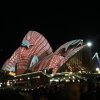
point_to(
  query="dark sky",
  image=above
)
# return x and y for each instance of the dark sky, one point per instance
(57, 25)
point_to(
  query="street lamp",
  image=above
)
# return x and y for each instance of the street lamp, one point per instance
(97, 69)
(89, 44)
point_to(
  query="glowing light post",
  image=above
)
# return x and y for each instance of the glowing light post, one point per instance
(97, 69)
(89, 44)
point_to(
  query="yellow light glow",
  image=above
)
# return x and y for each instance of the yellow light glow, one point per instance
(12, 73)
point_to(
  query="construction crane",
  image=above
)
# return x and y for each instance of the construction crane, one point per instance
(98, 61)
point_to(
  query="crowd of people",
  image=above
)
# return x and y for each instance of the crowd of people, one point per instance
(55, 91)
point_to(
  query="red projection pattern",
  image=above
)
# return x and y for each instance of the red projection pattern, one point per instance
(55, 61)
(39, 46)
(51, 62)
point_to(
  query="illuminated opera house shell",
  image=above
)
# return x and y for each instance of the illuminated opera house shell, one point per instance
(35, 54)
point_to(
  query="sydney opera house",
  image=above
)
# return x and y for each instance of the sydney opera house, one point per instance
(35, 55)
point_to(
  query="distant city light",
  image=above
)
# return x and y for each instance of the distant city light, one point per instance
(52, 74)
(78, 80)
(20, 79)
(56, 80)
(8, 83)
(73, 77)
(28, 78)
(89, 44)
(73, 80)
(67, 80)
(98, 72)
(0, 84)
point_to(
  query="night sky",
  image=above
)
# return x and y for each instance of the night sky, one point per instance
(57, 25)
